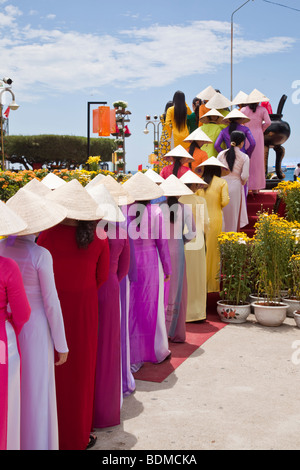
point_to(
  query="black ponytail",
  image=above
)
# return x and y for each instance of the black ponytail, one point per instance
(236, 138)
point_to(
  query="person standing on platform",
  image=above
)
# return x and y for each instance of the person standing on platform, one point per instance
(235, 213)
(212, 126)
(14, 314)
(108, 383)
(235, 121)
(193, 118)
(217, 197)
(176, 120)
(195, 251)
(197, 139)
(178, 157)
(259, 122)
(81, 266)
(43, 336)
(205, 95)
(122, 199)
(179, 221)
(297, 172)
(146, 228)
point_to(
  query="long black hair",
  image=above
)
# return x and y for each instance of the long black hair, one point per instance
(180, 111)
(197, 102)
(168, 105)
(209, 172)
(253, 106)
(172, 201)
(140, 211)
(85, 233)
(232, 126)
(236, 138)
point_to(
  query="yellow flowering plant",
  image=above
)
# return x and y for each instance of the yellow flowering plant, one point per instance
(274, 244)
(235, 253)
(93, 162)
(289, 193)
(294, 284)
(11, 182)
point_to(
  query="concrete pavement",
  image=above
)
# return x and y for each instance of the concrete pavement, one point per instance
(238, 391)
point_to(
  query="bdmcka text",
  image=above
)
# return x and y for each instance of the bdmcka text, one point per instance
(151, 459)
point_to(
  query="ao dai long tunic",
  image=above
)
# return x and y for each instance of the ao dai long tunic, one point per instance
(235, 213)
(217, 197)
(12, 292)
(40, 335)
(147, 329)
(182, 231)
(108, 387)
(224, 137)
(168, 170)
(195, 258)
(259, 122)
(79, 273)
(176, 135)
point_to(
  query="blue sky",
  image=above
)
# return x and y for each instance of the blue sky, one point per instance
(62, 54)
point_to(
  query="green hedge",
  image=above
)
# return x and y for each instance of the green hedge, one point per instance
(64, 151)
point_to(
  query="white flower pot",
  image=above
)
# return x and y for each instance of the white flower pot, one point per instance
(254, 298)
(270, 315)
(296, 315)
(292, 306)
(233, 313)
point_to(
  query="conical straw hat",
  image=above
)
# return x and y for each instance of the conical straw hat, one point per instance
(52, 181)
(141, 188)
(213, 161)
(77, 201)
(207, 93)
(107, 203)
(172, 186)
(240, 117)
(10, 222)
(39, 213)
(178, 152)
(240, 98)
(117, 190)
(154, 176)
(37, 187)
(189, 177)
(256, 97)
(218, 101)
(199, 136)
(95, 180)
(212, 112)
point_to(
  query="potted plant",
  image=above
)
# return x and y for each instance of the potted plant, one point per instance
(235, 252)
(120, 105)
(93, 162)
(293, 297)
(120, 142)
(289, 193)
(274, 243)
(120, 164)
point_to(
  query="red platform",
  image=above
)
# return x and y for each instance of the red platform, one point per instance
(263, 201)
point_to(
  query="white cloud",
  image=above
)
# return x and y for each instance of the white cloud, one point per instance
(50, 60)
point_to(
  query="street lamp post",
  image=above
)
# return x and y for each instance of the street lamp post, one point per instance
(231, 58)
(13, 106)
(156, 122)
